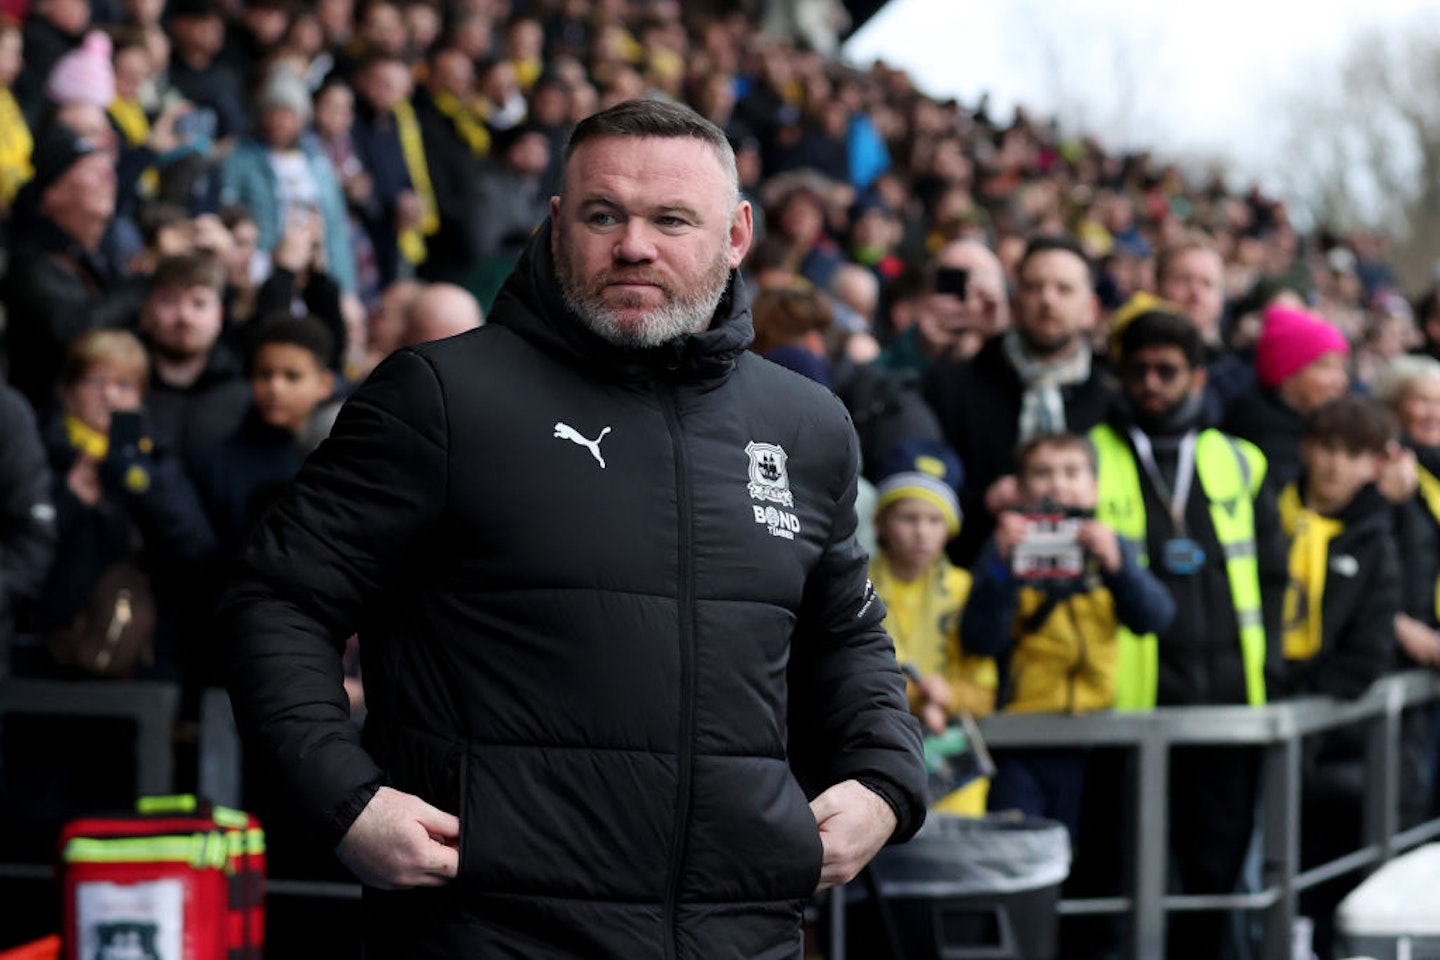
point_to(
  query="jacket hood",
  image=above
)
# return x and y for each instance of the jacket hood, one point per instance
(531, 305)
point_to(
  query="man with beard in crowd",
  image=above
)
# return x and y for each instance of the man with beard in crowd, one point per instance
(628, 689)
(1038, 377)
(1196, 505)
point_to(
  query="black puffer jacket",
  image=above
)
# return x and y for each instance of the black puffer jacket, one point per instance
(582, 648)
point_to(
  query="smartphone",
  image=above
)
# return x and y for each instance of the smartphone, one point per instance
(126, 431)
(952, 280)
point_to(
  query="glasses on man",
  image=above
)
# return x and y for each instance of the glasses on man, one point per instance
(1138, 371)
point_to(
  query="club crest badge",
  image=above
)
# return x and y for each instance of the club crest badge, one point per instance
(769, 480)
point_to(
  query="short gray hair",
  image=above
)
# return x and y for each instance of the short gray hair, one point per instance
(659, 119)
(1403, 372)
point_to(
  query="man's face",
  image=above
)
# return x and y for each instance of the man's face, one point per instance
(281, 127)
(645, 235)
(1158, 379)
(182, 322)
(106, 387)
(1061, 475)
(1054, 304)
(70, 16)
(1195, 281)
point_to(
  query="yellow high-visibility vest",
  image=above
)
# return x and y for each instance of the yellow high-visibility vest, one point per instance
(1230, 472)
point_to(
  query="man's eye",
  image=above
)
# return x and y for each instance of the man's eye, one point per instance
(670, 221)
(602, 219)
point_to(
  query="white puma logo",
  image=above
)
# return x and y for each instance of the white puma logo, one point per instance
(564, 431)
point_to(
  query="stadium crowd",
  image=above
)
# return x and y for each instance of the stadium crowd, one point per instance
(218, 217)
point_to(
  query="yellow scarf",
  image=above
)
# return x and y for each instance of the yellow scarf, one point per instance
(412, 241)
(16, 145)
(465, 120)
(1310, 534)
(86, 439)
(130, 117)
(1430, 496)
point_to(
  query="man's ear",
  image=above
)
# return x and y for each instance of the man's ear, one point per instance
(1198, 379)
(742, 232)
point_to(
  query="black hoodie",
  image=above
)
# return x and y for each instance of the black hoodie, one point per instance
(612, 613)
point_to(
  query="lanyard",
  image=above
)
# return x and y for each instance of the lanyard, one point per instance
(1184, 475)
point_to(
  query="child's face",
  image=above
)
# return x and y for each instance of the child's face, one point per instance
(913, 531)
(1060, 474)
(288, 383)
(1334, 475)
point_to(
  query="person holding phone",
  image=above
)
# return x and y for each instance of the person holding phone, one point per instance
(120, 498)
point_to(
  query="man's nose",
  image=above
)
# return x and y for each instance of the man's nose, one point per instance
(633, 244)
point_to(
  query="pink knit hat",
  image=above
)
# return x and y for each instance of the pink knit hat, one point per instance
(84, 75)
(1291, 340)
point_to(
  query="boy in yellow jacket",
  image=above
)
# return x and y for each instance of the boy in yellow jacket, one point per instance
(1056, 622)
(916, 513)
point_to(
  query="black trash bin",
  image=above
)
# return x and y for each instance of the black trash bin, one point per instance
(964, 888)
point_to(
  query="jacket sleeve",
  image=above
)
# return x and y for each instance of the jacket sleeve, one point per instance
(349, 521)
(165, 505)
(848, 715)
(989, 620)
(1419, 560)
(1142, 603)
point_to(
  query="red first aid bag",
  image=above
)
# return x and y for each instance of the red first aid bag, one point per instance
(179, 879)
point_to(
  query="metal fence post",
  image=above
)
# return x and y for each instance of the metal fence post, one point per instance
(1152, 840)
(1381, 817)
(1280, 790)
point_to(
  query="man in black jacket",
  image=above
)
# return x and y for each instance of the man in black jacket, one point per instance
(612, 611)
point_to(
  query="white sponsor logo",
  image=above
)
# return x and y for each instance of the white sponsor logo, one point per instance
(563, 431)
(1345, 565)
(779, 523)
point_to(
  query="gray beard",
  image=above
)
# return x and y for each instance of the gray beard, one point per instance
(677, 316)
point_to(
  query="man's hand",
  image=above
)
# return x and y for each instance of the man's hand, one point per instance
(854, 824)
(1397, 480)
(400, 841)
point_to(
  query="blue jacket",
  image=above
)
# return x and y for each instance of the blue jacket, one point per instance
(247, 178)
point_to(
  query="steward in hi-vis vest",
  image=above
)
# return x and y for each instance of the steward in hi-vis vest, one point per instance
(1196, 507)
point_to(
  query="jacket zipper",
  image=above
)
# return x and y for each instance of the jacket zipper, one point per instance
(685, 602)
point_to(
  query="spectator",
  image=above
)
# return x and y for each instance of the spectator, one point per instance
(241, 474)
(279, 176)
(509, 204)
(1199, 504)
(791, 324)
(916, 511)
(1344, 591)
(16, 141)
(198, 71)
(383, 128)
(300, 282)
(1299, 365)
(1037, 378)
(127, 514)
(1340, 613)
(943, 317)
(196, 395)
(455, 140)
(1057, 635)
(27, 517)
(53, 28)
(440, 310)
(1191, 275)
(334, 120)
(65, 276)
